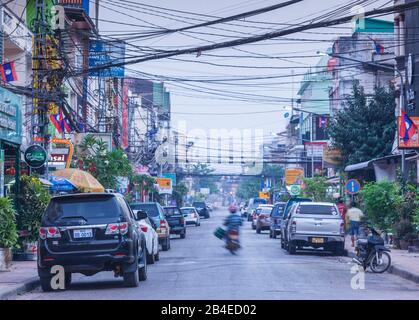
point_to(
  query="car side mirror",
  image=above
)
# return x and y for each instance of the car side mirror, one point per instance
(141, 215)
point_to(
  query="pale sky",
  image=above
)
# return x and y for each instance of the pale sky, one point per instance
(295, 54)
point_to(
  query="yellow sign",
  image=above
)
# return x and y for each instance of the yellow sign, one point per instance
(294, 176)
(164, 183)
(264, 195)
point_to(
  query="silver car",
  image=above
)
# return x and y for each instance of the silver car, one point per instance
(316, 225)
(191, 215)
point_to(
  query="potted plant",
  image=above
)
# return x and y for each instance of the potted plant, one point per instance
(8, 232)
(33, 200)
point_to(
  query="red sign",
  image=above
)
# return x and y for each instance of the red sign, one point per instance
(58, 158)
(413, 142)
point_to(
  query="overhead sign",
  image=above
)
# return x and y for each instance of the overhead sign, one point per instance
(164, 185)
(295, 190)
(352, 186)
(264, 195)
(332, 157)
(204, 191)
(294, 176)
(106, 53)
(35, 156)
(315, 149)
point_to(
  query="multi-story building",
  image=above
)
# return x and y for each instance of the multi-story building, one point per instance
(372, 40)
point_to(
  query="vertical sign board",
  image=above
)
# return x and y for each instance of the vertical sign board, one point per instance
(1, 173)
(294, 176)
(171, 176)
(10, 117)
(413, 142)
(164, 185)
(106, 53)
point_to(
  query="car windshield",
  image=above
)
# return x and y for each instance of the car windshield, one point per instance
(317, 209)
(171, 211)
(86, 208)
(150, 208)
(199, 204)
(187, 210)
(278, 210)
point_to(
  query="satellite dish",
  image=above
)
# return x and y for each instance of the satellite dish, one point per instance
(286, 115)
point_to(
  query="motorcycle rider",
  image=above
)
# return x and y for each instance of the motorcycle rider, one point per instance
(233, 221)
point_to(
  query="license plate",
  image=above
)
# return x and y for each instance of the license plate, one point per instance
(83, 233)
(317, 240)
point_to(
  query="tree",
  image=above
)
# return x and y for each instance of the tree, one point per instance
(179, 191)
(273, 171)
(105, 166)
(365, 128)
(316, 189)
(202, 178)
(248, 188)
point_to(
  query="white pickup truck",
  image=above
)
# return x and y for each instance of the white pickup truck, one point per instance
(317, 225)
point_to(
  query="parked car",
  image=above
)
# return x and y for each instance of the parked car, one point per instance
(263, 220)
(276, 218)
(201, 208)
(151, 237)
(88, 233)
(287, 209)
(191, 215)
(176, 221)
(263, 207)
(253, 205)
(317, 225)
(156, 213)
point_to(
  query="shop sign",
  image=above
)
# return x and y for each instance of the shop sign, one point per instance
(35, 156)
(10, 117)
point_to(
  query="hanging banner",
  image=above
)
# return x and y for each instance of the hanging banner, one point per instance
(413, 142)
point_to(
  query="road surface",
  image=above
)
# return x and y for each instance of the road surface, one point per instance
(198, 267)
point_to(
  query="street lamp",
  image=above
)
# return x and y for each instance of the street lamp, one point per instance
(383, 67)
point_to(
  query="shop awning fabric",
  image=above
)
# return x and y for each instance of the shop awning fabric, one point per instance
(81, 179)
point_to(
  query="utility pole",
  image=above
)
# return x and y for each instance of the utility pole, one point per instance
(97, 15)
(1, 32)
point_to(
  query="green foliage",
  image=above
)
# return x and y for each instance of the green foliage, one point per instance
(32, 200)
(381, 201)
(179, 191)
(8, 231)
(105, 166)
(248, 188)
(316, 189)
(143, 182)
(365, 129)
(202, 178)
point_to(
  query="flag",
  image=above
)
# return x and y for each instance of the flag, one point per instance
(56, 121)
(8, 71)
(379, 48)
(322, 122)
(407, 128)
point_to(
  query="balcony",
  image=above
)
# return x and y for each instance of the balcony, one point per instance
(18, 38)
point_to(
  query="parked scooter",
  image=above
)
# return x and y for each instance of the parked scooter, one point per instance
(371, 252)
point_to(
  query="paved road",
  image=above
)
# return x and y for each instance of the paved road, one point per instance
(199, 268)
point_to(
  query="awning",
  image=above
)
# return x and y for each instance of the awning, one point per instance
(359, 166)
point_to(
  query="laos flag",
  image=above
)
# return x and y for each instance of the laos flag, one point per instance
(407, 128)
(8, 71)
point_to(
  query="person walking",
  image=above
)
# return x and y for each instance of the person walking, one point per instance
(342, 209)
(354, 215)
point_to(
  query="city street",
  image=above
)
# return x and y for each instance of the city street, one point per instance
(198, 267)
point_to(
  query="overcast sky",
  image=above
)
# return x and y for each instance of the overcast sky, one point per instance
(191, 97)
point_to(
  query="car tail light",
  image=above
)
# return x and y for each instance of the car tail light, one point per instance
(162, 224)
(123, 228)
(143, 228)
(342, 228)
(49, 232)
(117, 228)
(43, 233)
(294, 226)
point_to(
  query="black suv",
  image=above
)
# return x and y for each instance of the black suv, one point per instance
(202, 209)
(88, 233)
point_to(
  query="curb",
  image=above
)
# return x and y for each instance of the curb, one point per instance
(394, 269)
(20, 289)
(404, 273)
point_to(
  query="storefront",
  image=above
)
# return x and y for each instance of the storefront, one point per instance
(10, 138)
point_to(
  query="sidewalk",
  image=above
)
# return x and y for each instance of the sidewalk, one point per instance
(403, 264)
(21, 278)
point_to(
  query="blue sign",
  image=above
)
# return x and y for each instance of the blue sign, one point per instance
(352, 186)
(106, 53)
(170, 176)
(10, 116)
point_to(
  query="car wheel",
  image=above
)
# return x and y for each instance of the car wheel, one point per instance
(150, 258)
(67, 279)
(142, 272)
(339, 249)
(46, 284)
(270, 234)
(165, 246)
(253, 227)
(292, 248)
(131, 278)
(274, 235)
(157, 256)
(282, 244)
(258, 230)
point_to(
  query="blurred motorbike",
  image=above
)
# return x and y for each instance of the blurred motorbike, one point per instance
(232, 241)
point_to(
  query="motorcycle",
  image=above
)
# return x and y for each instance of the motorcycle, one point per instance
(371, 252)
(232, 241)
